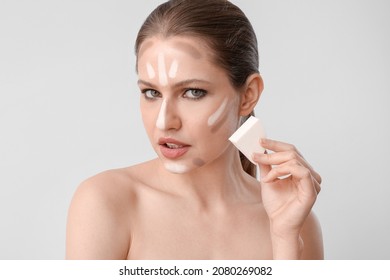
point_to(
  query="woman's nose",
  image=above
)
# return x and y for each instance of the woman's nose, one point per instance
(168, 117)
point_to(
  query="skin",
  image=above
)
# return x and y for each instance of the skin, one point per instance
(201, 205)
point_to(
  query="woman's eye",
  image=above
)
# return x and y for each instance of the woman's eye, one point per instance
(195, 93)
(151, 93)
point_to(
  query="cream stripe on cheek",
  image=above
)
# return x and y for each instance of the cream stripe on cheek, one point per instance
(162, 72)
(160, 123)
(173, 69)
(214, 117)
(150, 69)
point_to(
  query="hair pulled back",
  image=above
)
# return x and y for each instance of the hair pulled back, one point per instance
(222, 26)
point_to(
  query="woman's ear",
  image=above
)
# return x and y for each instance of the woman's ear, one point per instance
(251, 93)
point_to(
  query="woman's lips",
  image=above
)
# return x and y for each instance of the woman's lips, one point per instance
(171, 148)
(173, 153)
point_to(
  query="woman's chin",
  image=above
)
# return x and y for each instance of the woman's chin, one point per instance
(176, 168)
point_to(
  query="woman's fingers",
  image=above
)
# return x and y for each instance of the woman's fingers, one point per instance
(277, 146)
(284, 157)
(283, 153)
(317, 186)
(286, 169)
(279, 158)
(264, 168)
(309, 185)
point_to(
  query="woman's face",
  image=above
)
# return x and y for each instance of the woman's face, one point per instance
(189, 108)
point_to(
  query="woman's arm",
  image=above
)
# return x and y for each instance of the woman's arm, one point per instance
(308, 245)
(96, 228)
(289, 187)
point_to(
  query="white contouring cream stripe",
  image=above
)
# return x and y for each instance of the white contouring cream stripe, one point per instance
(150, 70)
(173, 69)
(176, 167)
(214, 117)
(160, 123)
(162, 72)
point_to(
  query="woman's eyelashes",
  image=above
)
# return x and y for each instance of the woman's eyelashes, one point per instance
(194, 93)
(151, 94)
(191, 93)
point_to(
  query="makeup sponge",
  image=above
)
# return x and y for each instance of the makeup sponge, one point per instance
(247, 136)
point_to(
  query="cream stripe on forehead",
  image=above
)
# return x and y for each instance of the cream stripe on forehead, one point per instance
(173, 69)
(163, 75)
(150, 69)
(162, 72)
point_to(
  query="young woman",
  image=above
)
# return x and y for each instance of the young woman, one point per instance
(197, 63)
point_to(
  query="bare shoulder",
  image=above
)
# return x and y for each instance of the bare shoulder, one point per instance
(99, 217)
(312, 239)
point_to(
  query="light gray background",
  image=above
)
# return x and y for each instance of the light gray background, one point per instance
(69, 109)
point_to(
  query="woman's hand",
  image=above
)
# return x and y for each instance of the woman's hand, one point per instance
(288, 200)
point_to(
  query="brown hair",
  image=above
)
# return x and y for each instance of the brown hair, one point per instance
(222, 25)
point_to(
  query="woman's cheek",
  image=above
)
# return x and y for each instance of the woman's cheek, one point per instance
(216, 116)
(223, 119)
(148, 119)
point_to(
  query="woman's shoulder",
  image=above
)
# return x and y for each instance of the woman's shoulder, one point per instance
(116, 183)
(101, 211)
(311, 234)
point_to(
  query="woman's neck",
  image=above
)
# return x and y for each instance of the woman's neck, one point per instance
(215, 184)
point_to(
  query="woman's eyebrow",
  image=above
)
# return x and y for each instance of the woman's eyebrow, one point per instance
(145, 83)
(178, 84)
(191, 81)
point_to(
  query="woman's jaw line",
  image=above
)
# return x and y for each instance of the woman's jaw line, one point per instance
(210, 182)
(176, 168)
(187, 163)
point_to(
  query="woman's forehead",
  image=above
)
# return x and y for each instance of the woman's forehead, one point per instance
(193, 47)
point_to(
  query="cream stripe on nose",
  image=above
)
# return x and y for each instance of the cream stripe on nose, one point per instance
(160, 123)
